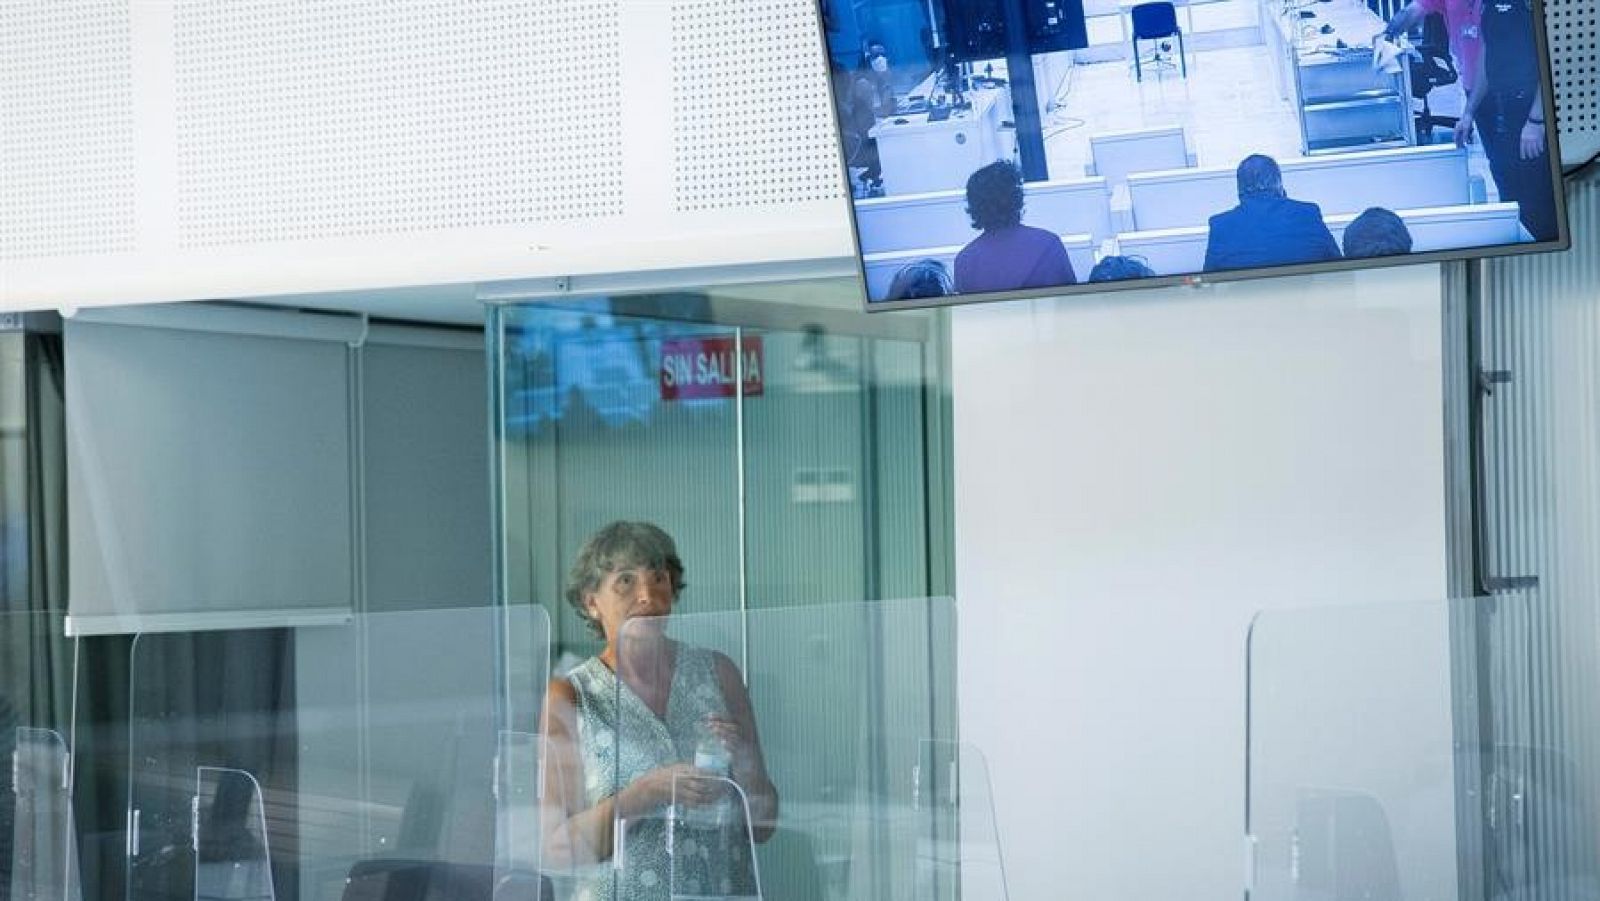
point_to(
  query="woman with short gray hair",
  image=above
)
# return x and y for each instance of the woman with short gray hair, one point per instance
(633, 731)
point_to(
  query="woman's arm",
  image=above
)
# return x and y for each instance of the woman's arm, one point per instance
(743, 739)
(573, 835)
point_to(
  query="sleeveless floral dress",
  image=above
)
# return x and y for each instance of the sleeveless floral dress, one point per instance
(700, 862)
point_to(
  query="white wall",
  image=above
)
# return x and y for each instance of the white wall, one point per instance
(214, 150)
(1135, 476)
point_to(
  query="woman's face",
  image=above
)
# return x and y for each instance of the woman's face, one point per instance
(629, 593)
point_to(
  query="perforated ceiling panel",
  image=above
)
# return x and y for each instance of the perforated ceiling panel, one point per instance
(66, 128)
(350, 117)
(1573, 28)
(751, 124)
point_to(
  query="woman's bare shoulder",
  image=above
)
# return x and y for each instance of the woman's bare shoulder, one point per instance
(561, 690)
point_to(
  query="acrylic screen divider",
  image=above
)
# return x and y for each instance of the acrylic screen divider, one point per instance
(38, 836)
(381, 755)
(1351, 759)
(836, 722)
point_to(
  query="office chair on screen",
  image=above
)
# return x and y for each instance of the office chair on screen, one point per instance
(1157, 21)
(1432, 67)
(1386, 9)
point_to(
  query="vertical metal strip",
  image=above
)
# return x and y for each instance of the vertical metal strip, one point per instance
(359, 600)
(742, 499)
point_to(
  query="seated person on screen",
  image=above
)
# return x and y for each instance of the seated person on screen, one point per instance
(1377, 232)
(924, 278)
(1116, 269)
(626, 731)
(1267, 228)
(1008, 256)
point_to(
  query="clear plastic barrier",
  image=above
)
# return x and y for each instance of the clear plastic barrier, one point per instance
(520, 812)
(386, 755)
(38, 838)
(44, 859)
(1377, 770)
(1351, 767)
(709, 820)
(231, 858)
(829, 719)
(958, 850)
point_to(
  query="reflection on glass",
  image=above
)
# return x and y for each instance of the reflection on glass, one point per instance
(231, 862)
(13, 470)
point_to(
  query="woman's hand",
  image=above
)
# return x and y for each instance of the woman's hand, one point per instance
(1532, 143)
(654, 790)
(739, 746)
(1463, 130)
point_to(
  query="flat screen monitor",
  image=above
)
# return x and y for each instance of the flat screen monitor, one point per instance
(1185, 142)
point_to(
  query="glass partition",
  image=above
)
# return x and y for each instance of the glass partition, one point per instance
(708, 822)
(44, 858)
(765, 427)
(392, 753)
(38, 836)
(517, 763)
(1372, 775)
(1351, 790)
(231, 858)
(824, 736)
(958, 848)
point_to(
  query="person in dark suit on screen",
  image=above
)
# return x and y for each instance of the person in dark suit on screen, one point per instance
(1267, 228)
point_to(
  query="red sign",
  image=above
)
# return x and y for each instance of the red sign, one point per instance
(695, 368)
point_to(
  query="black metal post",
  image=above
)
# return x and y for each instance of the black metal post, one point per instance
(1024, 94)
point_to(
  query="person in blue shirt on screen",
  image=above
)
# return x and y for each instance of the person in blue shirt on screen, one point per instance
(1008, 256)
(1267, 228)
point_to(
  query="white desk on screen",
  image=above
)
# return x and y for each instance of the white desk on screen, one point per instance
(1452, 227)
(920, 156)
(1182, 251)
(939, 218)
(1401, 178)
(1117, 154)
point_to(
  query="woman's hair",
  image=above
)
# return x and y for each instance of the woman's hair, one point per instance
(1115, 269)
(924, 278)
(994, 196)
(1377, 232)
(1259, 176)
(617, 546)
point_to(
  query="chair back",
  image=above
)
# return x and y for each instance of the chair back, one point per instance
(1158, 19)
(1433, 67)
(1435, 33)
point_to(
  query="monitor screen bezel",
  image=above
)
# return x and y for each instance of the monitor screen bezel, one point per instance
(1562, 241)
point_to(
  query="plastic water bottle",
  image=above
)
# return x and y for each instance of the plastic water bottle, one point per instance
(712, 758)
